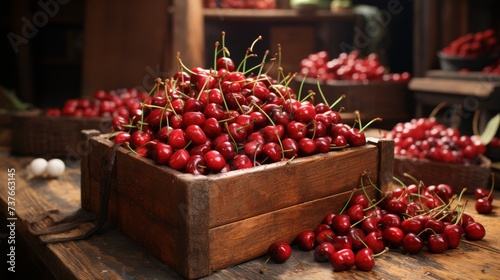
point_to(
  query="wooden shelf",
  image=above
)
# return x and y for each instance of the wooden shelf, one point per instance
(276, 15)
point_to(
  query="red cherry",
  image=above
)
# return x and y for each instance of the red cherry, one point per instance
(437, 243)
(296, 130)
(177, 139)
(272, 133)
(162, 153)
(342, 260)
(484, 206)
(306, 240)
(290, 147)
(370, 224)
(375, 241)
(454, 233)
(393, 235)
(341, 224)
(122, 137)
(273, 151)
(412, 226)
(475, 231)
(211, 127)
(342, 242)
(325, 235)
(482, 193)
(225, 63)
(323, 251)
(364, 260)
(412, 243)
(179, 159)
(279, 251)
(214, 160)
(196, 165)
(119, 123)
(355, 213)
(139, 139)
(357, 237)
(195, 134)
(190, 118)
(391, 220)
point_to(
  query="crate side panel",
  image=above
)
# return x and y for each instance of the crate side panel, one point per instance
(159, 190)
(269, 188)
(260, 231)
(161, 240)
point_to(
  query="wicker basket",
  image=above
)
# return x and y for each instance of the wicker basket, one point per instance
(459, 176)
(50, 136)
(456, 63)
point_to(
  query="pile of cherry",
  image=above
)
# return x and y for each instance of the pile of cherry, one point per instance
(348, 67)
(409, 219)
(474, 45)
(205, 121)
(426, 138)
(120, 102)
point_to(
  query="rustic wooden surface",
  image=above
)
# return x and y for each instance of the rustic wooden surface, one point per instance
(111, 255)
(193, 223)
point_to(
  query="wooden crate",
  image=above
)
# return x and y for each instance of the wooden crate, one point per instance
(50, 136)
(390, 101)
(199, 224)
(458, 176)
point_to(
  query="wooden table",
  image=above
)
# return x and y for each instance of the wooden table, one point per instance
(111, 255)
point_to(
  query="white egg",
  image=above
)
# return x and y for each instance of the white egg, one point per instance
(55, 167)
(37, 167)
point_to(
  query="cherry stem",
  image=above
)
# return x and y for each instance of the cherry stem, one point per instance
(310, 94)
(266, 53)
(492, 185)
(223, 36)
(261, 271)
(299, 94)
(337, 101)
(381, 253)
(215, 54)
(321, 92)
(349, 200)
(279, 62)
(374, 204)
(427, 229)
(184, 66)
(412, 178)
(281, 145)
(369, 123)
(360, 221)
(232, 138)
(461, 193)
(436, 109)
(365, 174)
(460, 211)
(264, 112)
(475, 121)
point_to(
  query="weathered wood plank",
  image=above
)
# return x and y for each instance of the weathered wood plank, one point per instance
(111, 255)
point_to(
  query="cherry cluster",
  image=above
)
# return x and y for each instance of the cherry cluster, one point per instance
(426, 138)
(474, 45)
(494, 68)
(204, 121)
(484, 202)
(409, 219)
(348, 67)
(113, 103)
